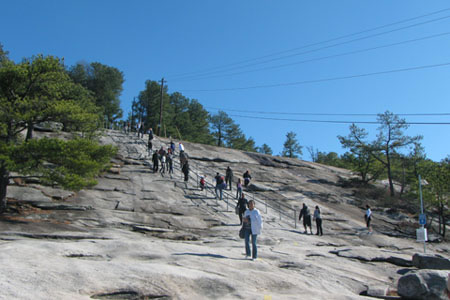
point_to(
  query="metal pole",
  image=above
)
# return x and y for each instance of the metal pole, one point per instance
(421, 212)
(265, 201)
(279, 209)
(227, 201)
(295, 218)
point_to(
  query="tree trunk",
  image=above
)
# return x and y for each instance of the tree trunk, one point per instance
(30, 128)
(391, 183)
(441, 220)
(4, 180)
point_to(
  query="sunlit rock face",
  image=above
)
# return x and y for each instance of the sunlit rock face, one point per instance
(141, 235)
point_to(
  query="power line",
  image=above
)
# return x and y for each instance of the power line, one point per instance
(173, 77)
(324, 114)
(319, 58)
(322, 80)
(337, 122)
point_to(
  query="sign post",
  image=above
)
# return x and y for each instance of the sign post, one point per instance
(421, 233)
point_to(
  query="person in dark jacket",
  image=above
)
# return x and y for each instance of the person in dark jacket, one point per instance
(242, 206)
(229, 177)
(155, 160)
(318, 219)
(219, 186)
(185, 170)
(306, 214)
(247, 178)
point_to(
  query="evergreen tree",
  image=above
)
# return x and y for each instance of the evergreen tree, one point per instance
(291, 146)
(105, 83)
(220, 123)
(390, 139)
(36, 90)
(264, 149)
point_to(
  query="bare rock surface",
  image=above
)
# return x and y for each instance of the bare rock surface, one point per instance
(141, 235)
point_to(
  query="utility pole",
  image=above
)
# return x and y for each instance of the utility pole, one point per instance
(161, 108)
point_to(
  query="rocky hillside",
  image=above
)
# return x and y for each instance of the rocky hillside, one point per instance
(141, 235)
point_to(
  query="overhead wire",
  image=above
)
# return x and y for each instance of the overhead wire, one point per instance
(336, 122)
(321, 80)
(324, 114)
(322, 58)
(202, 73)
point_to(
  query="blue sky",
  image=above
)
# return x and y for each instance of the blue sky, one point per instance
(199, 47)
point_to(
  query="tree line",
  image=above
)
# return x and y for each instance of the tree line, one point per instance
(397, 157)
(187, 119)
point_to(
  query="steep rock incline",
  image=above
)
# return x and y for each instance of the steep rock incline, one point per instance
(140, 235)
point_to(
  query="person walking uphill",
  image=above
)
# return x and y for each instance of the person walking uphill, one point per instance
(318, 219)
(242, 206)
(229, 177)
(306, 214)
(155, 160)
(253, 217)
(368, 218)
(185, 170)
(220, 181)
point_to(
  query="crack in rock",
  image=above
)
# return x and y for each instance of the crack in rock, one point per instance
(129, 295)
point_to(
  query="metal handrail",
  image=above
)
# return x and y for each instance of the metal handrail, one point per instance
(292, 214)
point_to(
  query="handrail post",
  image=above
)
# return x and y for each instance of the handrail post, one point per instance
(227, 202)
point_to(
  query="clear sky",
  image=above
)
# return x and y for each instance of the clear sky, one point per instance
(290, 56)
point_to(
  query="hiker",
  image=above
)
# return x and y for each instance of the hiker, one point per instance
(183, 158)
(155, 160)
(202, 182)
(318, 219)
(306, 214)
(163, 164)
(242, 207)
(181, 147)
(253, 217)
(161, 152)
(219, 185)
(247, 178)
(368, 218)
(150, 141)
(172, 147)
(185, 170)
(141, 129)
(229, 177)
(238, 189)
(169, 163)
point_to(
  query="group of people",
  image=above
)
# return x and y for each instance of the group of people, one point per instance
(249, 217)
(305, 213)
(222, 182)
(163, 158)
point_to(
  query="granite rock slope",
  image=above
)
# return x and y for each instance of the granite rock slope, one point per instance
(141, 235)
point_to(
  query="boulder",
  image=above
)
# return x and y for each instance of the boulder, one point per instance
(424, 284)
(428, 261)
